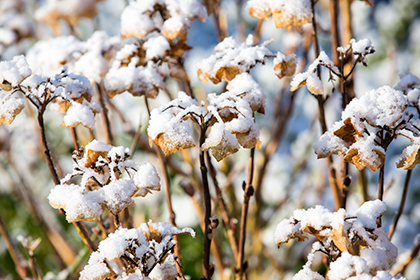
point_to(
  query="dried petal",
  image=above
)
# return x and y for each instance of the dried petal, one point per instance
(410, 157)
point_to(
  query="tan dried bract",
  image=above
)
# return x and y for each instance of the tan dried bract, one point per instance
(170, 147)
(360, 162)
(285, 68)
(348, 132)
(409, 160)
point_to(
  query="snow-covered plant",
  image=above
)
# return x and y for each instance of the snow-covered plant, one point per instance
(161, 29)
(70, 11)
(71, 91)
(355, 245)
(359, 49)
(101, 186)
(146, 251)
(14, 24)
(370, 123)
(228, 115)
(286, 14)
(232, 58)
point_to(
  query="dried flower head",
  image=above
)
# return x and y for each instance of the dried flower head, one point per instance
(101, 186)
(286, 14)
(147, 250)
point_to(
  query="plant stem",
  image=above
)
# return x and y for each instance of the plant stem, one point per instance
(335, 37)
(399, 267)
(248, 192)
(21, 269)
(107, 123)
(74, 138)
(47, 152)
(331, 170)
(223, 208)
(207, 210)
(402, 203)
(381, 182)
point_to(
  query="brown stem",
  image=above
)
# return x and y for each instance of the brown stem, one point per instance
(248, 192)
(402, 203)
(172, 215)
(47, 152)
(331, 171)
(223, 208)
(81, 229)
(63, 253)
(21, 269)
(335, 37)
(381, 182)
(207, 210)
(74, 138)
(399, 267)
(107, 123)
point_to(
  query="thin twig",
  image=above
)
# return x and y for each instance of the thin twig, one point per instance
(399, 267)
(321, 101)
(21, 269)
(207, 210)
(248, 193)
(107, 123)
(402, 203)
(223, 208)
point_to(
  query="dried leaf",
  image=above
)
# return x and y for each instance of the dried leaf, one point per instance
(360, 161)
(340, 239)
(169, 147)
(9, 109)
(286, 20)
(92, 157)
(259, 13)
(177, 71)
(285, 67)
(221, 142)
(348, 132)
(410, 157)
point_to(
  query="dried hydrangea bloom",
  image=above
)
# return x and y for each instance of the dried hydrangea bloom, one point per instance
(286, 14)
(383, 108)
(229, 117)
(70, 11)
(340, 230)
(72, 92)
(138, 18)
(9, 109)
(149, 248)
(132, 72)
(14, 25)
(310, 78)
(230, 59)
(101, 186)
(284, 65)
(13, 72)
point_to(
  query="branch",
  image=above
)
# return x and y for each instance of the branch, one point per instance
(248, 192)
(402, 203)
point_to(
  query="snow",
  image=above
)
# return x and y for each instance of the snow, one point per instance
(156, 47)
(286, 14)
(244, 85)
(145, 245)
(14, 71)
(101, 186)
(79, 114)
(231, 58)
(380, 107)
(9, 109)
(362, 47)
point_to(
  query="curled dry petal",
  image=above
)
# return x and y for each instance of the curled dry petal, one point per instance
(410, 157)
